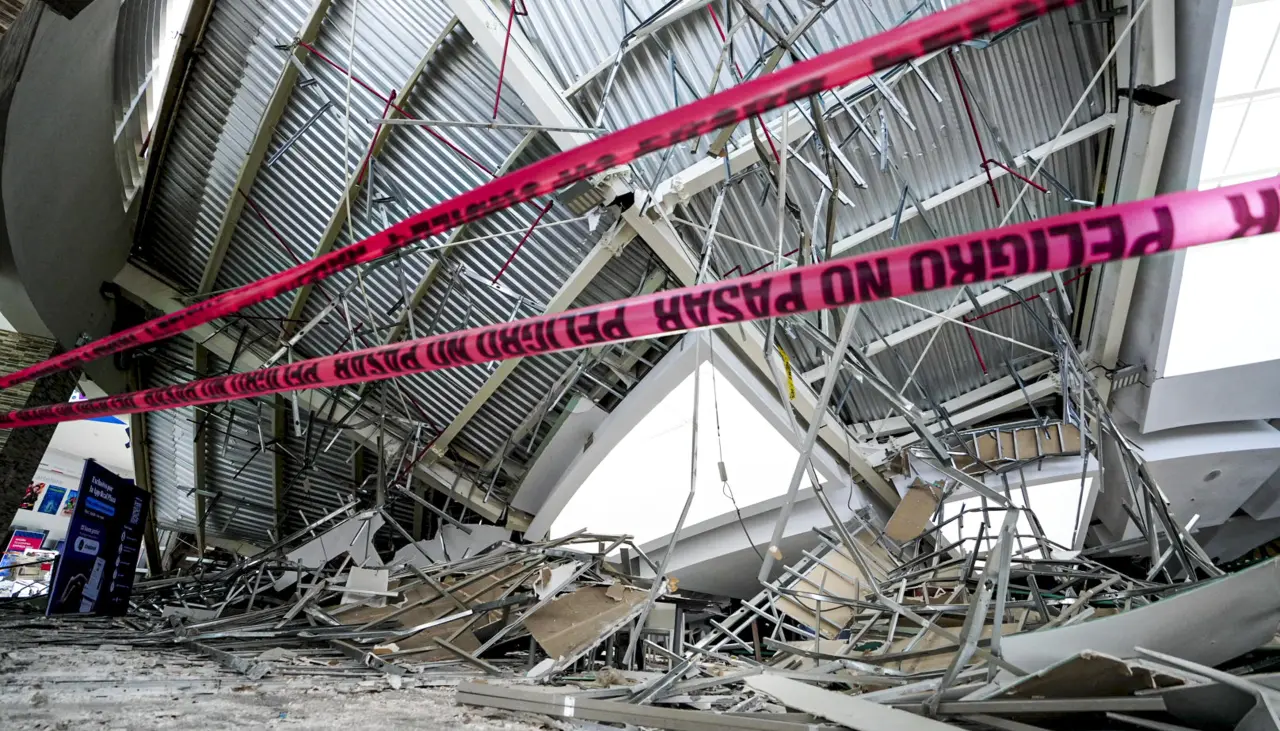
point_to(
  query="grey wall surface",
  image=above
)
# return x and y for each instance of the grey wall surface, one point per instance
(1201, 28)
(22, 449)
(15, 305)
(63, 198)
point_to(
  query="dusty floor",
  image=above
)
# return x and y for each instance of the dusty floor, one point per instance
(117, 687)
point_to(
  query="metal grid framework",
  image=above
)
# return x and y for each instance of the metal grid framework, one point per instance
(280, 151)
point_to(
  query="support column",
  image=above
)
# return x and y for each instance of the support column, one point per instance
(22, 449)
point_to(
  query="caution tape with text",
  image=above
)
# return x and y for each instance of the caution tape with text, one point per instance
(1062, 242)
(828, 71)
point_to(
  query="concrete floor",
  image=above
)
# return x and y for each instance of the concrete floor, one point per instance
(117, 687)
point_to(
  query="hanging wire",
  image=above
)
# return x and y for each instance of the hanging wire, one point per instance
(725, 487)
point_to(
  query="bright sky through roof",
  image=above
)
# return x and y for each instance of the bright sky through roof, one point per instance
(640, 487)
(1227, 304)
(1056, 505)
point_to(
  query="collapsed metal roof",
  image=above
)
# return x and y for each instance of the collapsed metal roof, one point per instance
(278, 120)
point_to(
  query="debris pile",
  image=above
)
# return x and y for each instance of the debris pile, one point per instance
(890, 626)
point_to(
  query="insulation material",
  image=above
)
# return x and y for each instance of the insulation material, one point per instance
(575, 622)
(912, 514)
(353, 536)
(844, 579)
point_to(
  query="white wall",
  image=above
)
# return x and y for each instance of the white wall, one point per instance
(63, 463)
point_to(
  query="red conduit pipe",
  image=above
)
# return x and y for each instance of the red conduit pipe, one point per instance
(974, 343)
(364, 166)
(444, 140)
(974, 126)
(523, 239)
(1016, 174)
(760, 268)
(280, 239)
(502, 68)
(723, 39)
(1019, 303)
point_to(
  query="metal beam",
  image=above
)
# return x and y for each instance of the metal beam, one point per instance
(961, 309)
(750, 341)
(200, 451)
(442, 256)
(279, 426)
(1028, 158)
(1045, 387)
(1134, 178)
(969, 399)
(524, 71)
(140, 446)
(588, 268)
(257, 152)
(524, 75)
(677, 12)
(355, 183)
(710, 171)
(165, 298)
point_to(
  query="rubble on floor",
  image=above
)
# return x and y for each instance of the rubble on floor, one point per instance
(881, 625)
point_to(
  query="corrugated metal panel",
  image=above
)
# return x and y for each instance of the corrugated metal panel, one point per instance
(318, 481)
(527, 387)
(1024, 85)
(172, 440)
(227, 91)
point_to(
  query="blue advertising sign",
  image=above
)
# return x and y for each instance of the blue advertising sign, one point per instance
(52, 499)
(95, 571)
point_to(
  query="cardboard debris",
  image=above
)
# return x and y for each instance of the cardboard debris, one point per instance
(834, 581)
(912, 514)
(1022, 444)
(353, 536)
(575, 622)
(1090, 675)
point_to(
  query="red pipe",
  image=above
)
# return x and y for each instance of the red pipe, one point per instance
(974, 126)
(279, 239)
(502, 68)
(766, 265)
(974, 343)
(1032, 298)
(523, 239)
(1016, 174)
(798, 81)
(364, 166)
(395, 106)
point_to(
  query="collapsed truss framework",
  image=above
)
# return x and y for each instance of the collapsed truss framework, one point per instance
(360, 112)
(472, 436)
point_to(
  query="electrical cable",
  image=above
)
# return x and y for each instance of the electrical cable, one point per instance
(725, 487)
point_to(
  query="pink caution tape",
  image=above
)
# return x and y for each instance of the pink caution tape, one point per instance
(1052, 244)
(733, 105)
